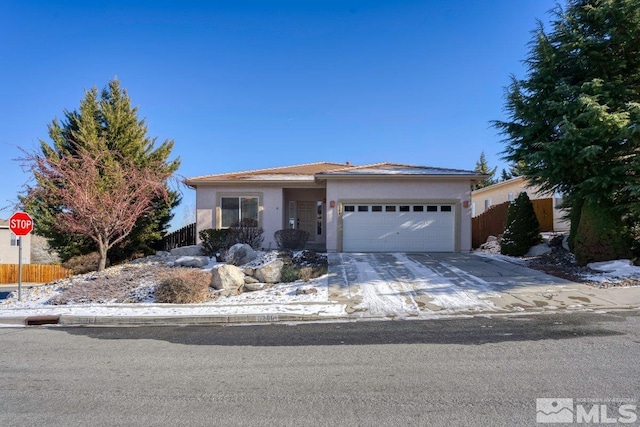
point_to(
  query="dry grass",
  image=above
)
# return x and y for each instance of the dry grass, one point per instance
(183, 286)
(115, 284)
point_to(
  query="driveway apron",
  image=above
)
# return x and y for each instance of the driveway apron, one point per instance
(419, 284)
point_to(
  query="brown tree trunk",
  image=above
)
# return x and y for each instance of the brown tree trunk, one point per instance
(102, 250)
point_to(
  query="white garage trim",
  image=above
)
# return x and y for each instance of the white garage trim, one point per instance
(399, 226)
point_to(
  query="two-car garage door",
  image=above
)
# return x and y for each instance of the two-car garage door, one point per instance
(398, 227)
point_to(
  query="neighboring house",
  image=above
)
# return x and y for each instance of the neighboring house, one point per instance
(483, 198)
(345, 208)
(9, 245)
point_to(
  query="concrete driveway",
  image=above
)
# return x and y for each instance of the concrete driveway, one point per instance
(421, 285)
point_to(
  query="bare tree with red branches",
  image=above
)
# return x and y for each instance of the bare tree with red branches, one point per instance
(99, 193)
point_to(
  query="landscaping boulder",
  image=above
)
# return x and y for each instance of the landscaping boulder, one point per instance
(240, 254)
(191, 261)
(251, 284)
(610, 266)
(227, 277)
(193, 250)
(538, 250)
(270, 272)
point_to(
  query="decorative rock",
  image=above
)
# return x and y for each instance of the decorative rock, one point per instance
(270, 272)
(491, 239)
(249, 271)
(538, 250)
(193, 250)
(250, 280)
(227, 277)
(254, 286)
(162, 254)
(240, 254)
(610, 266)
(307, 291)
(191, 261)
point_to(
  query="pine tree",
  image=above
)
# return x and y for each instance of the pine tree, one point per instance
(600, 236)
(483, 167)
(105, 122)
(523, 228)
(574, 121)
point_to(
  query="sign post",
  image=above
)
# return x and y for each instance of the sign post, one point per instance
(20, 224)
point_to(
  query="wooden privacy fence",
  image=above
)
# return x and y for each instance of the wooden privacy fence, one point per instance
(185, 236)
(33, 273)
(494, 221)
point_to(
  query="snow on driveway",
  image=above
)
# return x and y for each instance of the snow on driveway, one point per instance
(398, 285)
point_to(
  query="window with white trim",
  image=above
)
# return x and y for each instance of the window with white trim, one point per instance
(236, 209)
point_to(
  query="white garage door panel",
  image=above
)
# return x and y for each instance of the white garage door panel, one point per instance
(386, 231)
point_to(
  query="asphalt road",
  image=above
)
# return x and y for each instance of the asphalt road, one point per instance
(462, 371)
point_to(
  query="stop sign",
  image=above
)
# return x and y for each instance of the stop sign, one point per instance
(20, 223)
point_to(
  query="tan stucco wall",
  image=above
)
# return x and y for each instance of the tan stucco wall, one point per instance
(447, 191)
(271, 201)
(8, 253)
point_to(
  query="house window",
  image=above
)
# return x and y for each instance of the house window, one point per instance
(432, 208)
(236, 209)
(390, 208)
(319, 218)
(511, 197)
(404, 208)
(350, 208)
(487, 204)
(445, 208)
(363, 208)
(418, 208)
(14, 240)
(376, 208)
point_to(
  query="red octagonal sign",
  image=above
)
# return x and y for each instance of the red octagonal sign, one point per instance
(20, 223)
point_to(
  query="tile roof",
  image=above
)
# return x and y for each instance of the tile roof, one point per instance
(297, 172)
(324, 170)
(391, 169)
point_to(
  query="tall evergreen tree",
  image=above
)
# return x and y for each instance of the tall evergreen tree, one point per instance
(106, 122)
(574, 121)
(483, 167)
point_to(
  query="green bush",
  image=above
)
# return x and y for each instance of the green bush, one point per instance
(306, 265)
(601, 235)
(214, 241)
(183, 286)
(290, 272)
(523, 228)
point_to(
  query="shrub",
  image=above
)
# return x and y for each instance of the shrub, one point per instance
(292, 239)
(81, 264)
(523, 228)
(183, 286)
(290, 273)
(246, 231)
(214, 241)
(601, 235)
(306, 265)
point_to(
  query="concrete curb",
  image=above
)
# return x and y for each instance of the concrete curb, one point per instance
(236, 319)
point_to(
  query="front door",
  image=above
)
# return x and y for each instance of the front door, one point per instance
(307, 218)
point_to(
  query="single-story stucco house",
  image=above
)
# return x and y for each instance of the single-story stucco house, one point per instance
(9, 250)
(506, 191)
(382, 207)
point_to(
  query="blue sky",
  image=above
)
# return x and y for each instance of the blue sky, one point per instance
(243, 85)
